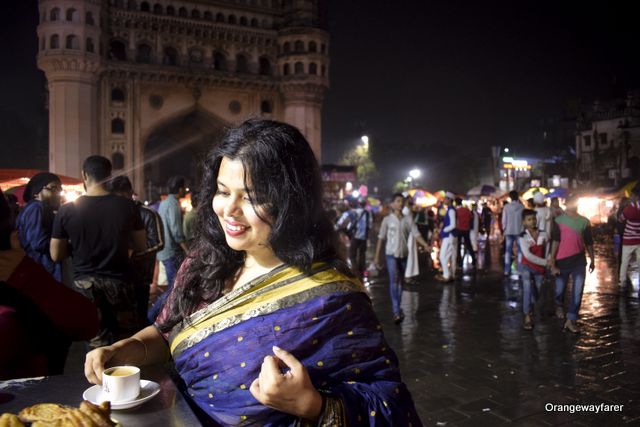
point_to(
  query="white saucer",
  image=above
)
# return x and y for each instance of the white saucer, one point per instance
(148, 389)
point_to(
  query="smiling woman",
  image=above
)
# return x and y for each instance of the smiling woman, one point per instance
(266, 324)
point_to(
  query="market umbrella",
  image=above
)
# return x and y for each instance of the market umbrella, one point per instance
(557, 192)
(529, 193)
(485, 190)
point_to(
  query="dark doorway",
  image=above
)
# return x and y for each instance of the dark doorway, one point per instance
(178, 147)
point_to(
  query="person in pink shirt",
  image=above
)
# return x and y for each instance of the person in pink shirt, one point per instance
(631, 236)
(571, 235)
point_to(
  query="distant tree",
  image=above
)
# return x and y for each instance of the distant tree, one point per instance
(360, 157)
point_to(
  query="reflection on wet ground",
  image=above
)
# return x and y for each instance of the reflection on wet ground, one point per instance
(467, 360)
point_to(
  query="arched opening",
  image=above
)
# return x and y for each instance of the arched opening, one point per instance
(298, 46)
(170, 56)
(54, 15)
(265, 67)
(72, 42)
(132, 5)
(254, 22)
(298, 68)
(232, 19)
(117, 126)
(72, 15)
(208, 16)
(243, 21)
(171, 11)
(219, 62)
(117, 95)
(323, 70)
(313, 69)
(117, 51)
(195, 14)
(88, 18)
(286, 70)
(89, 45)
(182, 12)
(144, 54)
(54, 42)
(286, 48)
(144, 7)
(219, 17)
(242, 65)
(117, 160)
(178, 146)
(313, 47)
(265, 107)
(157, 9)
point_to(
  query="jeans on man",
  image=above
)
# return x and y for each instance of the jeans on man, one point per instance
(510, 239)
(529, 294)
(357, 253)
(396, 268)
(578, 274)
(171, 266)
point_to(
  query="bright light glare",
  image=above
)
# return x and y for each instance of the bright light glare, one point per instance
(365, 140)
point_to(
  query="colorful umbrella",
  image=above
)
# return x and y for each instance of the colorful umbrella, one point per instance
(529, 193)
(557, 192)
(485, 190)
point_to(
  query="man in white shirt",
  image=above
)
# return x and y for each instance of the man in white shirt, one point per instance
(395, 230)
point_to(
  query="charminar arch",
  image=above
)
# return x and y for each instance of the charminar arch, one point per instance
(152, 84)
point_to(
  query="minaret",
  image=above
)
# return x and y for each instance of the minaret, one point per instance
(69, 54)
(303, 63)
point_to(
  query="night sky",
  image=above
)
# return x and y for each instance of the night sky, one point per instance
(433, 84)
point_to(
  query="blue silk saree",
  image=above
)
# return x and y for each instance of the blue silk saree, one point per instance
(324, 318)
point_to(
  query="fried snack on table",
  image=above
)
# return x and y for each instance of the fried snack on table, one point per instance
(54, 415)
(10, 420)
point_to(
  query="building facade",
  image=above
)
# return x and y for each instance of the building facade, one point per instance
(608, 142)
(153, 84)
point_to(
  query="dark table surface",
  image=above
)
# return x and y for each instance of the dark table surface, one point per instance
(168, 408)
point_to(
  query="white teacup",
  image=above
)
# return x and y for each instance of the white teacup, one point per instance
(121, 383)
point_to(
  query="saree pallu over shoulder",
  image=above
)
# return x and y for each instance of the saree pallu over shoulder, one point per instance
(282, 287)
(325, 319)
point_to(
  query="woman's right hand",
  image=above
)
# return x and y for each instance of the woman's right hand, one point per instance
(95, 363)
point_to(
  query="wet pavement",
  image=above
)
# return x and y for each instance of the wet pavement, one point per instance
(468, 361)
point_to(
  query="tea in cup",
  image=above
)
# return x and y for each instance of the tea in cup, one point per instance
(121, 383)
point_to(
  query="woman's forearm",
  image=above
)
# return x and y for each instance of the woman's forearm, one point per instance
(146, 347)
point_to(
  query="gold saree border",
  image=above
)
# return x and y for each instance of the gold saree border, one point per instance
(281, 288)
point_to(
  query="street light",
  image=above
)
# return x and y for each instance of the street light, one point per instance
(365, 141)
(414, 173)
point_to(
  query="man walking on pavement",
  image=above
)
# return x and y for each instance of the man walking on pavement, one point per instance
(512, 225)
(448, 241)
(395, 230)
(175, 246)
(571, 234)
(464, 224)
(358, 223)
(631, 236)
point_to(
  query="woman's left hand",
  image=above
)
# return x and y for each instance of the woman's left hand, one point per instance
(291, 392)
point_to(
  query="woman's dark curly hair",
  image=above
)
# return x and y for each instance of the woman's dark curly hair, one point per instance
(285, 183)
